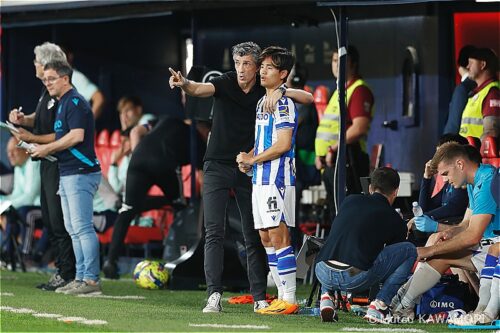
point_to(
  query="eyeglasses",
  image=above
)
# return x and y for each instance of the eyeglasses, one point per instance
(50, 80)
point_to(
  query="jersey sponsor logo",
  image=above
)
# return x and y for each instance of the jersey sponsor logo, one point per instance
(75, 101)
(262, 119)
(58, 126)
(272, 205)
(262, 116)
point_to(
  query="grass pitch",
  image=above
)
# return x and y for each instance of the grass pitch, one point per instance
(158, 311)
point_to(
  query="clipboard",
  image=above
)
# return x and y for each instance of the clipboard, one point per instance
(8, 127)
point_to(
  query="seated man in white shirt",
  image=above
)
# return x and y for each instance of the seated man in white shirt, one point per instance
(24, 199)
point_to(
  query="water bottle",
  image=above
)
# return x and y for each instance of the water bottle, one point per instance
(417, 210)
(309, 312)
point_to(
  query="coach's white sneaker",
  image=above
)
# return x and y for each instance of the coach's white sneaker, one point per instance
(213, 303)
(260, 305)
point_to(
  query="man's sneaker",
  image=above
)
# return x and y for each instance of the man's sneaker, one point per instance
(110, 270)
(327, 309)
(474, 318)
(85, 288)
(259, 305)
(213, 303)
(280, 307)
(403, 314)
(56, 282)
(396, 300)
(71, 285)
(52, 278)
(378, 313)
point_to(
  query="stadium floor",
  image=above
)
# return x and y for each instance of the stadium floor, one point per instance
(126, 308)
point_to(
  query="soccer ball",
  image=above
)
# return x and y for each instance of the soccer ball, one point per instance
(150, 275)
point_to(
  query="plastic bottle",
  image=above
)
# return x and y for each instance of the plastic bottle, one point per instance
(417, 210)
(309, 311)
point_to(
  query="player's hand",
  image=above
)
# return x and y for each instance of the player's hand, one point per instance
(244, 158)
(424, 253)
(176, 79)
(245, 168)
(23, 135)
(271, 101)
(16, 116)
(428, 172)
(122, 151)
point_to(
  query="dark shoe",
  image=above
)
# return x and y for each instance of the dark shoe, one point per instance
(110, 270)
(52, 278)
(327, 309)
(56, 283)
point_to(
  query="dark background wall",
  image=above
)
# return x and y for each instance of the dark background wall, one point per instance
(121, 57)
(132, 56)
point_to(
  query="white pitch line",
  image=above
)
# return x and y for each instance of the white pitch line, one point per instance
(94, 322)
(252, 327)
(47, 315)
(357, 329)
(22, 310)
(71, 319)
(112, 297)
(80, 320)
(6, 294)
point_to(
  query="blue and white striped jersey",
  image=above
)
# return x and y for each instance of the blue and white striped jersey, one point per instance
(280, 171)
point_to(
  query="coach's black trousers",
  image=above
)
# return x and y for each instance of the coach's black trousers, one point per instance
(218, 179)
(52, 218)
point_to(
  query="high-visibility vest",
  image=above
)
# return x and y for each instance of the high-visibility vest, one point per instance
(328, 130)
(472, 117)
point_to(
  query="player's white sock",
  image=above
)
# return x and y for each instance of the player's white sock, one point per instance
(424, 279)
(485, 282)
(493, 307)
(287, 267)
(272, 260)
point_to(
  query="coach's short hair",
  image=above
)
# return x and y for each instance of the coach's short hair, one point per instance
(247, 48)
(385, 180)
(450, 151)
(48, 52)
(62, 68)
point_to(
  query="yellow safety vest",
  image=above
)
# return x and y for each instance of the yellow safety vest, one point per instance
(328, 130)
(472, 117)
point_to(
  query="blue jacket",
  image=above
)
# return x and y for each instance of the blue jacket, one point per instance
(448, 203)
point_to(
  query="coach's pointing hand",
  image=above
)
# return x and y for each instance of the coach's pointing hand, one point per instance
(177, 80)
